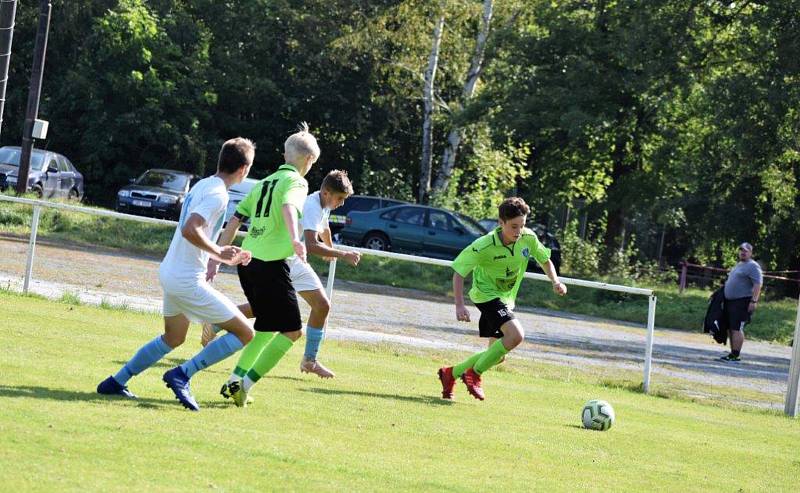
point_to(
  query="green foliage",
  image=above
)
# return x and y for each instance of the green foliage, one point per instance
(491, 174)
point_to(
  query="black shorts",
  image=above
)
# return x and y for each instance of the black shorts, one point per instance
(268, 288)
(736, 313)
(493, 315)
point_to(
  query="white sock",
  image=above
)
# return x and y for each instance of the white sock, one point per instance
(247, 383)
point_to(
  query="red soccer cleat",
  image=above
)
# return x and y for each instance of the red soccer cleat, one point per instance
(448, 382)
(473, 382)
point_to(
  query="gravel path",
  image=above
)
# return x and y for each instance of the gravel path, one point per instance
(382, 314)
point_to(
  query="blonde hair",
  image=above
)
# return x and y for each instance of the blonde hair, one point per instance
(301, 144)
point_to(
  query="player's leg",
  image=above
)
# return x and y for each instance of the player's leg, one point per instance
(175, 327)
(315, 332)
(210, 330)
(206, 303)
(269, 290)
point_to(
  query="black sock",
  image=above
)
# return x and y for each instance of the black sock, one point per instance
(735, 352)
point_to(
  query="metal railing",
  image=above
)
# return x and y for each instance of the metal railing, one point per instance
(651, 311)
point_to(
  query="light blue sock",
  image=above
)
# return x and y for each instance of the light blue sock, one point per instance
(314, 338)
(216, 351)
(144, 358)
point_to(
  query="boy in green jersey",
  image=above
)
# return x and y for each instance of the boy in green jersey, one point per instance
(498, 262)
(273, 207)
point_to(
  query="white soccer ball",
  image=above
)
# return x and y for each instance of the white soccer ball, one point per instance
(597, 415)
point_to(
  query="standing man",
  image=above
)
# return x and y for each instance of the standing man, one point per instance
(742, 291)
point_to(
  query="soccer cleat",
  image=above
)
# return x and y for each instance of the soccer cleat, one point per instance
(178, 382)
(109, 386)
(731, 357)
(315, 367)
(473, 382)
(448, 382)
(237, 393)
(208, 334)
(225, 392)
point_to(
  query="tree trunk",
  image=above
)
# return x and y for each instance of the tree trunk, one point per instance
(473, 74)
(427, 123)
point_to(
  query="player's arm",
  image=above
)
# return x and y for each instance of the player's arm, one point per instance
(462, 314)
(193, 232)
(550, 270)
(226, 238)
(541, 254)
(289, 212)
(324, 247)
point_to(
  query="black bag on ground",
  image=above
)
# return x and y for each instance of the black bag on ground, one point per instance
(716, 323)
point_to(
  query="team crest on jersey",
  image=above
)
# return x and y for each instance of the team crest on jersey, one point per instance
(526, 253)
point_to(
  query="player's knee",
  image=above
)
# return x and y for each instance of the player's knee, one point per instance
(515, 338)
(246, 335)
(174, 340)
(322, 307)
(294, 335)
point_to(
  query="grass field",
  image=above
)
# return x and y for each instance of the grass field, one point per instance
(378, 426)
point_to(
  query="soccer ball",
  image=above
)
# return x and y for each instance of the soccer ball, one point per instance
(597, 415)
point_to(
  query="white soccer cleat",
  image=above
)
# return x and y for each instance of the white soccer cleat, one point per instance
(315, 367)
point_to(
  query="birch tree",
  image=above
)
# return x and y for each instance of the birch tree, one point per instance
(426, 164)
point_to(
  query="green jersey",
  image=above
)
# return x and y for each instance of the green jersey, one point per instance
(268, 237)
(497, 269)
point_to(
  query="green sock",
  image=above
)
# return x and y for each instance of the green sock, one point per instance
(251, 352)
(490, 357)
(268, 358)
(465, 365)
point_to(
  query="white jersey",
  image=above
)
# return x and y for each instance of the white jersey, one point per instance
(315, 217)
(184, 261)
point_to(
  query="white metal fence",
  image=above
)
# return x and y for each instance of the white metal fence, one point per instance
(794, 376)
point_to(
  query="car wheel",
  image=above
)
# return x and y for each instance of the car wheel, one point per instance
(74, 195)
(377, 241)
(38, 190)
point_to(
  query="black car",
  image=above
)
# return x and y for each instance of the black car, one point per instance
(50, 173)
(358, 203)
(157, 193)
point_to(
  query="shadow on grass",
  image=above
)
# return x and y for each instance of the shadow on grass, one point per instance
(26, 391)
(421, 399)
(35, 392)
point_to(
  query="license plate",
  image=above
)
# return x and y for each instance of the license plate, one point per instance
(142, 203)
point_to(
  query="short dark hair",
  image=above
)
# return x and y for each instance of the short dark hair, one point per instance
(235, 154)
(337, 181)
(513, 207)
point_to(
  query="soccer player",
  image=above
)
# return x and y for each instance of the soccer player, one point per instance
(335, 189)
(273, 206)
(497, 261)
(187, 295)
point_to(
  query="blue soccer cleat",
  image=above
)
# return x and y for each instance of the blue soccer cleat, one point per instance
(109, 386)
(178, 382)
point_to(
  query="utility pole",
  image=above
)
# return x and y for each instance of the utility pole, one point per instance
(34, 93)
(8, 12)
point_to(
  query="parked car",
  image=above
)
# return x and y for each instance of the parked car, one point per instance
(156, 193)
(236, 194)
(415, 229)
(548, 239)
(358, 203)
(50, 174)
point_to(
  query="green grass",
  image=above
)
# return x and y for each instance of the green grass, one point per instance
(774, 320)
(378, 426)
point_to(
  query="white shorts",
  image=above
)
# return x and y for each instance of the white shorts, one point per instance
(197, 300)
(303, 276)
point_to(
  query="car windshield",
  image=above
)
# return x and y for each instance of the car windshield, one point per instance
(11, 157)
(161, 179)
(472, 225)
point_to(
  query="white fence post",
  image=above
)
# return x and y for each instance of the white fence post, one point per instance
(794, 370)
(648, 349)
(331, 275)
(31, 247)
